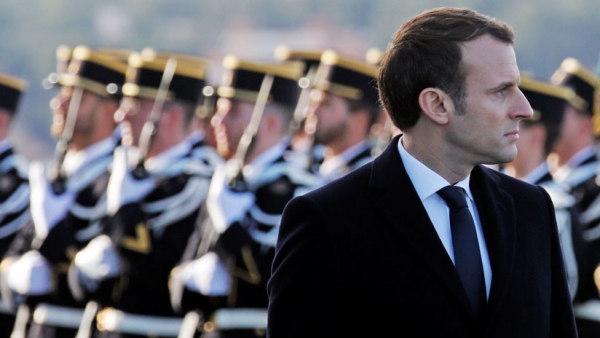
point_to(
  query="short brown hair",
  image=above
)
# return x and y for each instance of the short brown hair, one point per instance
(426, 52)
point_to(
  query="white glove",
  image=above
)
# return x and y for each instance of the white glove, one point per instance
(123, 188)
(97, 261)
(31, 275)
(47, 208)
(206, 275)
(225, 206)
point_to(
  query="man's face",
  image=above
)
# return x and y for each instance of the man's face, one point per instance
(486, 129)
(89, 106)
(332, 113)
(234, 117)
(135, 112)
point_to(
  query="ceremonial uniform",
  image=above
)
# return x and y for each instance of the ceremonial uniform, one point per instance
(549, 103)
(58, 230)
(224, 273)
(153, 207)
(152, 234)
(14, 186)
(14, 194)
(580, 173)
(203, 152)
(350, 159)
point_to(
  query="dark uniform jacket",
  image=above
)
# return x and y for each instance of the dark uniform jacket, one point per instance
(584, 185)
(207, 155)
(59, 244)
(14, 197)
(361, 258)
(344, 163)
(14, 214)
(150, 236)
(576, 251)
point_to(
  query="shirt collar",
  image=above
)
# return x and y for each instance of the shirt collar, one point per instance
(331, 164)
(263, 160)
(426, 181)
(74, 160)
(580, 157)
(536, 174)
(195, 136)
(161, 161)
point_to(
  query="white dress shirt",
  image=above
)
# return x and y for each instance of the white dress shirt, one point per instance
(427, 183)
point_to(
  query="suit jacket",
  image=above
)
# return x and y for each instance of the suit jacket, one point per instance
(361, 258)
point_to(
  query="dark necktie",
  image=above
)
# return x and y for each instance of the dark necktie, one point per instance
(466, 248)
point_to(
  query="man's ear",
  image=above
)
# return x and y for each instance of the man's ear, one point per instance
(436, 104)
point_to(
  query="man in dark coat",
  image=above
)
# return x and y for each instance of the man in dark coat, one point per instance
(378, 250)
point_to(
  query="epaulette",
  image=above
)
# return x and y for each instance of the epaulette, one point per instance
(92, 171)
(178, 206)
(297, 175)
(580, 174)
(560, 198)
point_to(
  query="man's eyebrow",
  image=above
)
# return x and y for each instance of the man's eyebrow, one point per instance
(504, 84)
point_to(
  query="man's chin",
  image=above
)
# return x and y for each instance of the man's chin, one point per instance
(505, 158)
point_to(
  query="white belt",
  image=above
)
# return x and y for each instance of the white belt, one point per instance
(114, 320)
(589, 310)
(60, 316)
(229, 319)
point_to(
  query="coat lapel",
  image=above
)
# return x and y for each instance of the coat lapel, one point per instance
(497, 213)
(401, 206)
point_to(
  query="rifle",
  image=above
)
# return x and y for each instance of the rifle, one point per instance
(300, 112)
(88, 319)
(58, 184)
(203, 241)
(55, 175)
(235, 165)
(21, 321)
(208, 106)
(149, 129)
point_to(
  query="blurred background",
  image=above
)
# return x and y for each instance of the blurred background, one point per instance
(547, 31)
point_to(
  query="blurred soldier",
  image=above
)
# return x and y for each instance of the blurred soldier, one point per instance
(576, 160)
(303, 124)
(575, 155)
(227, 280)
(537, 137)
(14, 186)
(154, 193)
(345, 103)
(67, 194)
